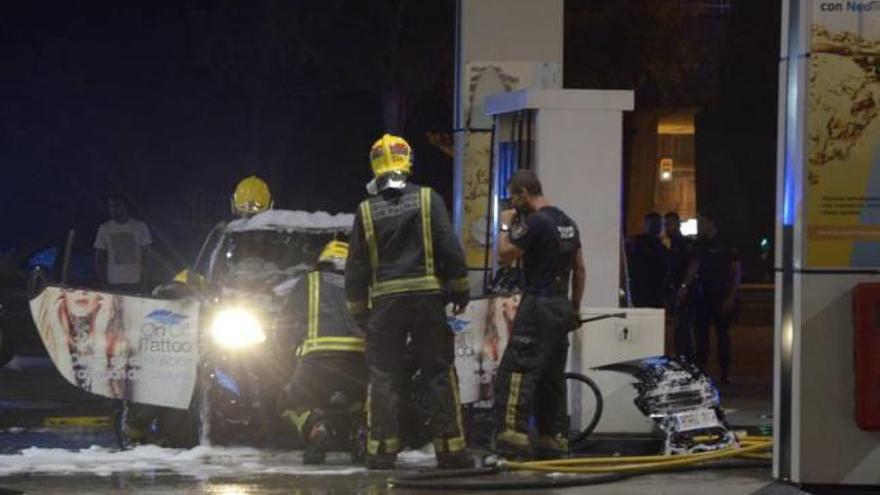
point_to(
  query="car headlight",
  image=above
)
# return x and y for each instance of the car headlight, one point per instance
(237, 328)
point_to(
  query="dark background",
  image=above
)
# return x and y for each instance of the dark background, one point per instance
(171, 103)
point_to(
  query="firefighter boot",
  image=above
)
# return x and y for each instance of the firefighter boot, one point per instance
(317, 442)
(548, 447)
(513, 451)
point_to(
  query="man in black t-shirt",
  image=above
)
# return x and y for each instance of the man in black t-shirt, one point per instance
(713, 275)
(531, 374)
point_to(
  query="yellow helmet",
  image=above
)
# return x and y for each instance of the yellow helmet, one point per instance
(251, 196)
(390, 154)
(334, 252)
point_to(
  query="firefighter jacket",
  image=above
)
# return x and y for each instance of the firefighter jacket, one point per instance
(315, 316)
(402, 242)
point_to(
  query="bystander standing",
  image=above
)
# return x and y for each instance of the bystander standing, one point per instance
(716, 272)
(122, 249)
(647, 262)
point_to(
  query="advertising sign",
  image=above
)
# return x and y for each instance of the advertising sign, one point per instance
(484, 79)
(482, 333)
(121, 347)
(842, 180)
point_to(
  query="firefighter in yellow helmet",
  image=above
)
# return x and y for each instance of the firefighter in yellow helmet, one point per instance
(330, 377)
(251, 196)
(405, 262)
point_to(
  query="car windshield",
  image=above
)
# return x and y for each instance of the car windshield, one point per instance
(260, 259)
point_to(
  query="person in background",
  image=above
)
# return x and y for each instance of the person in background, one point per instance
(678, 256)
(713, 274)
(647, 264)
(122, 249)
(122, 253)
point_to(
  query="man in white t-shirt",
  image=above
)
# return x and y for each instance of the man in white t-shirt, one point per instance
(122, 248)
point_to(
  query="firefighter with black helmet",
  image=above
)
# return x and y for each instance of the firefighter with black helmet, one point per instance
(324, 397)
(404, 262)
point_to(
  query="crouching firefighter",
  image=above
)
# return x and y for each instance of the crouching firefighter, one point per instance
(324, 399)
(405, 261)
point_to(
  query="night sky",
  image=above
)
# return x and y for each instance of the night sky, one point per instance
(172, 103)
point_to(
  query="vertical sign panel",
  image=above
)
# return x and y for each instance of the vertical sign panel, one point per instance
(842, 180)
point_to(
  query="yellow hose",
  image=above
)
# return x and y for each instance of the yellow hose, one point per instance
(750, 448)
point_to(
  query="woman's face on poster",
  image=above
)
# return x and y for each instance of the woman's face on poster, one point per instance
(81, 303)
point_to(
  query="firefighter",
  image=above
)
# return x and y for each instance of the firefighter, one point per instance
(328, 382)
(405, 261)
(251, 196)
(530, 377)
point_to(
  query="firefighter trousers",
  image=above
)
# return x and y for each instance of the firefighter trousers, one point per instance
(326, 386)
(422, 319)
(531, 377)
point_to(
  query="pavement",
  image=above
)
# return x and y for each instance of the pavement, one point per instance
(740, 482)
(56, 439)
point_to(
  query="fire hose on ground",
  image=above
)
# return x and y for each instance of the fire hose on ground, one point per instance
(751, 452)
(746, 452)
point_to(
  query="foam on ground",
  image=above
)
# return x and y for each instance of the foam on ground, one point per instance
(201, 462)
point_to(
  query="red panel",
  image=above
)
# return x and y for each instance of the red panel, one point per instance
(866, 317)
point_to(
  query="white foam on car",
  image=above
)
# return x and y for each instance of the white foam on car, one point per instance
(294, 221)
(200, 462)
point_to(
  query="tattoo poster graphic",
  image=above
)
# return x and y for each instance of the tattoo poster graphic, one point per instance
(481, 336)
(121, 347)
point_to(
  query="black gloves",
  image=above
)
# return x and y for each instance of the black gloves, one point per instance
(459, 300)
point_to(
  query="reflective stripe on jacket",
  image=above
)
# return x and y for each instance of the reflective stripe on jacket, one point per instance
(402, 242)
(317, 315)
